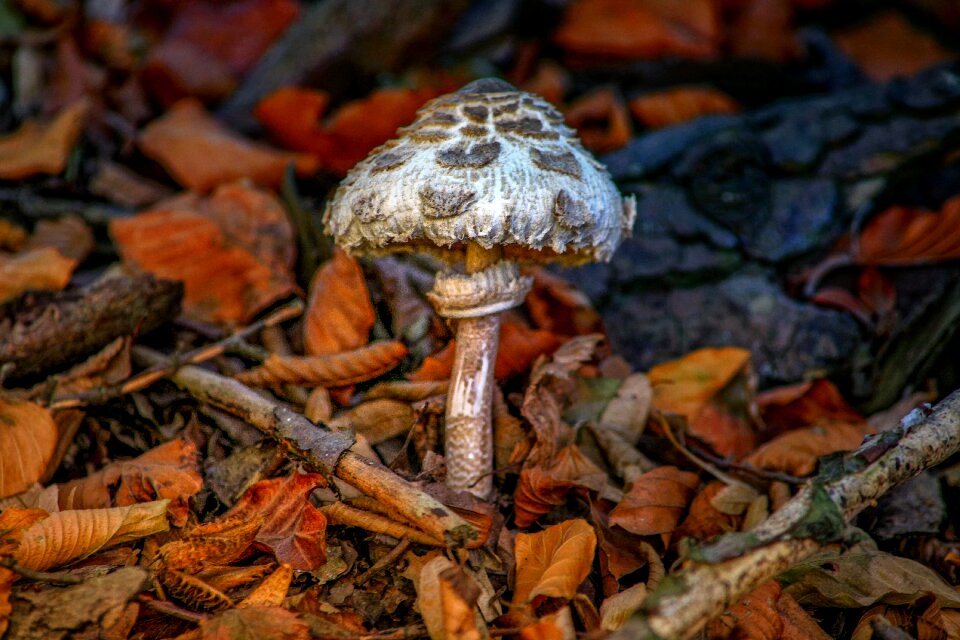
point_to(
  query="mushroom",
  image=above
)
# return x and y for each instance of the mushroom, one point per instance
(489, 176)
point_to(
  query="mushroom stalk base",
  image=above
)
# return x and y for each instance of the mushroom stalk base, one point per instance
(469, 438)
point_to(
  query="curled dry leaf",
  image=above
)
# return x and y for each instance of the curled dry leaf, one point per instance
(193, 591)
(292, 528)
(539, 490)
(557, 306)
(447, 598)
(70, 535)
(28, 439)
(209, 544)
(241, 232)
(680, 104)
(169, 471)
(615, 610)
(200, 153)
(622, 552)
(796, 452)
(225, 578)
(272, 591)
(42, 148)
(755, 616)
(408, 391)
(377, 420)
(333, 370)
(553, 562)
(656, 501)
(704, 520)
(42, 268)
(339, 313)
(110, 365)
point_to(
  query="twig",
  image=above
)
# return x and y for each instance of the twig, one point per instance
(342, 513)
(145, 378)
(319, 449)
(703, 464)
(171, 609)
(58, 577)
(392, 556)
(737, 564)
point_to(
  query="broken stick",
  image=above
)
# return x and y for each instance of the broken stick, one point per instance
(323, 451)
(738, 563)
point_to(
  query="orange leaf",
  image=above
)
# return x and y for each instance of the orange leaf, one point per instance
(170, 470)
(334, 370)
(764, 29)
(272, 591)
(293, 115)
(906, 49)
(200, 153)
(228, 249)
(796, 452)
(262, 623)
(36, 148)
(655, 501)
(755, 616)
(904, 236)
(13, 522)
(680, 104)
(601, 119)
(539, 489)
(704, 521)
(339, 313)
(43, 269)
(553, 562)
(639, 28)
(557, 306)
(447, 598)
(28, 438)
(804, 404)
(292, 528)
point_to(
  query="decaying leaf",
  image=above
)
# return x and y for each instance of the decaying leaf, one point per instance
(28, 438)
(553, 562)
(192, 591)
(70, 535)
(37, 148)
(655, 501)
(200, 153)
(293, 529)
(334, 370)
(69, 235)
(43, 269)
(339, 313)
(169, 471)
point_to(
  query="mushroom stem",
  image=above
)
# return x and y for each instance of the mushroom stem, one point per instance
(468, 442)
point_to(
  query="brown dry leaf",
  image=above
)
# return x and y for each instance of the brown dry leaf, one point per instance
(213, 543)
(108, 366)
(28, 439)
(617, 609)
(192, 591)
(69, 235)
(601, 119)
(70, 535)
(272, 591)
(754, 617)
(408, 391)
(627, 413)
(763, 29)
(906, 49)
(447, 599)
(557, 306)
(622, 552)
(42, 268)
(36, 148)
(200, 153)
(553, 562)
(796, 452)
(656, 501)
(232, 250)
(906, 235)
(547, 393)
(292, 528)
(260, 623)
(334, 370)
(339, 313)
(713, 389)
(13, 237)
(680, 104)
(225, 578)
(170, 471)
(640, 28)
(13, 522)
(804, 404)
(797, 623)
(376, 420)
(539, 489)
(704, 520)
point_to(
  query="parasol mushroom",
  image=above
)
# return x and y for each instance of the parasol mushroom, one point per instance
(488, 176)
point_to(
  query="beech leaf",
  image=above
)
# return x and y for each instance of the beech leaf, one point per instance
(555, 561)
(339, 313)
(28, 438)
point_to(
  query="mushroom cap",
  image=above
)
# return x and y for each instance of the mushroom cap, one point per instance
(487, 164)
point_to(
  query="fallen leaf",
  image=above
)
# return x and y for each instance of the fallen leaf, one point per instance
(200, 153)
(339, 313)
(69, 235)
(272, 591)
(680, 104)
(42, 269)
(293, 529)
(376, 420)
(796, 452)
(212, 543)
(713, 389)
(797, 623)
(704, 521)
(334, 370)
(621, 552)
(539, 490)
(754, 616)
(655, 501)
(70, 535)
(601, 120)
(557, 306)
(639, 28)
(906, 48)
(802, 405)
(553, 562)
(617, 609)
(230, 249)
(446, 599)
(28, 439)
(763, 30)
(905, 235)
(37, 148)
(169, 471)
(262, 623)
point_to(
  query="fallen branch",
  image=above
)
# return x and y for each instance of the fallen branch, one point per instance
(736, 564)
(320, 450)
